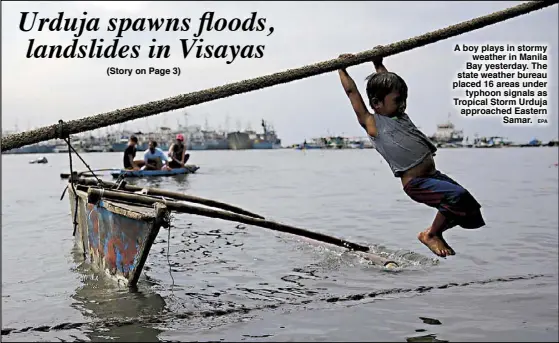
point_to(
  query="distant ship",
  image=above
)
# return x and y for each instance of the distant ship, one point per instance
(33, 149)
(252, 140)
(196, 139)
(239, 140)
(164, 137)
(213, 140)
(446, 134)
(267, 140)
(336, 142)
(315, 143)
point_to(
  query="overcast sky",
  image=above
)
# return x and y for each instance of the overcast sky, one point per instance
(37, 92)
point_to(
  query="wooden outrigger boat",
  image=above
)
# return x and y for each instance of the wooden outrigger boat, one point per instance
(188, 169)
(116, 224)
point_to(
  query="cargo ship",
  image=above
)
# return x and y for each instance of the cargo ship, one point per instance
(239, 140)
(164, 137)
(248, 139)
(335, 142)
(33, 149)
(447, 135)
(266, 140)
(214, 140)
(196, 139)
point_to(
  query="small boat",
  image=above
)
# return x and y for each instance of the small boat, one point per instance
(533, 143)
(188, 169)
(41, 160)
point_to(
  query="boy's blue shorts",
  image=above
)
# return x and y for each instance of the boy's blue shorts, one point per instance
(446, 195)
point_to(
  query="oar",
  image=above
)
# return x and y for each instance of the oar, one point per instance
(173, 195)
(95, 194)
(85, 172)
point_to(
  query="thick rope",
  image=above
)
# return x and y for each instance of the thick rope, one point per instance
(155, 107)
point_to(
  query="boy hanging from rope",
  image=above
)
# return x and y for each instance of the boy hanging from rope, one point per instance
(409, 153)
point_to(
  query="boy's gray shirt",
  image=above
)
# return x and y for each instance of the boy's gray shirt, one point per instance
(400, 142)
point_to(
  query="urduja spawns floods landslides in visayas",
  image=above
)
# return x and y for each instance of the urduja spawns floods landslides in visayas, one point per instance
(99, 48)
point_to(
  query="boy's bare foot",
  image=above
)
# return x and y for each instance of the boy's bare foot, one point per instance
(435, 243)
(450, 250)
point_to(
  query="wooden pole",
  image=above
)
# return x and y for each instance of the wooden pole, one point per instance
(181, 101)
(84, 173)
(94, 195)
(174, 195)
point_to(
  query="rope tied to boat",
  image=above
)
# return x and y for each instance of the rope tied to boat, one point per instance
(165, 220)
(71, 148)
(72, 181)
(62, 132)
(169, 258)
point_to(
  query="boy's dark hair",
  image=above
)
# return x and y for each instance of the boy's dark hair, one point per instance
(134, 139)
(379, 85)
(153, 142)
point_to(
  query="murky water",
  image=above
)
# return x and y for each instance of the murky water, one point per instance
(224, 281)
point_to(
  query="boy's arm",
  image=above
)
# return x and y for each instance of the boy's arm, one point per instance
(379, 67)
(377, 61)
(364, 117)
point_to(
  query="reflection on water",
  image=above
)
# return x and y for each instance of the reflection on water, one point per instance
(181, 181)
(101, 300)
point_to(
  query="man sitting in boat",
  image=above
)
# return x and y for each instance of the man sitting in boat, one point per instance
(130, 154)
(177, 153)
(155, 158)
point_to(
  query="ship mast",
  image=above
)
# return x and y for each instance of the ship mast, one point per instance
(264, 127)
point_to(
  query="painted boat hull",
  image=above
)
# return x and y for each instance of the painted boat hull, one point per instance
(188, 169)
(114, 238)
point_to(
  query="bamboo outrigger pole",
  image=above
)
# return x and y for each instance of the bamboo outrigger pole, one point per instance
(95, 194)
(172, 195)
(155, 107)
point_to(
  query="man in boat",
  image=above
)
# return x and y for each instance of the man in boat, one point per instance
(155, 158)
(409, 153)
(177, 153)
(130, 154)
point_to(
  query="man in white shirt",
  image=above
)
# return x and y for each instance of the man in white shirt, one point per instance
(155, 158)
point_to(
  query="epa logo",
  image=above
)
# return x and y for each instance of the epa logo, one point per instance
(542, 121)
